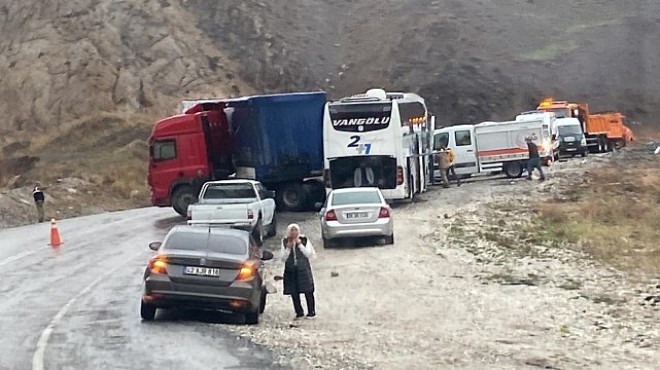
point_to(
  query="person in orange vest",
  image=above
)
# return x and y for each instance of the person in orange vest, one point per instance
(452, 168)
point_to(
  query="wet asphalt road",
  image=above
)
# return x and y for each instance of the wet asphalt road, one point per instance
(78, 308)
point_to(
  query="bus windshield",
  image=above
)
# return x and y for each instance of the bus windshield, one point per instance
(354, 117)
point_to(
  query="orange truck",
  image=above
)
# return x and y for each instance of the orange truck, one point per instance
(604, 131)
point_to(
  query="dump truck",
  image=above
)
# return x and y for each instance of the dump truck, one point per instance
(603, 131)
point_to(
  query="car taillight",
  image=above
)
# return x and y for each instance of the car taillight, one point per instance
(246, 272)
(399, 175)
(331, 215)
(384, 213)
(158, 266)
(250, 214)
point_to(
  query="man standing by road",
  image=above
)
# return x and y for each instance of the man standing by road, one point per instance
(363, 175)
(450, 158)
(534, 159)
(443, 163)
(38, 195)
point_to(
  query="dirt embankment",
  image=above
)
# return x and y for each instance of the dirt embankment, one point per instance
(81, 84)
(457, 290)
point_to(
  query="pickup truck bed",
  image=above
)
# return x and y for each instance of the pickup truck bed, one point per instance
(243, 204)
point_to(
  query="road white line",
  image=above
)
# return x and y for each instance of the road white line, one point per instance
(17, 257)
(42, 343)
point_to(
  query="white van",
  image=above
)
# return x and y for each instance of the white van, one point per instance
(571, 138)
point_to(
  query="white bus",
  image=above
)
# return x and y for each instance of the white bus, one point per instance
(386, 132)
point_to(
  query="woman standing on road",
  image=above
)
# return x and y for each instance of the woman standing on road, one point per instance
(297, 249)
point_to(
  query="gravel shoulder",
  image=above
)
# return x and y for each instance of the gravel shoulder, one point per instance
(437, 299)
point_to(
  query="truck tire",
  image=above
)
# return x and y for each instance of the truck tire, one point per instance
(182, 197)
(610, 145)
(258, 233)
(272, 228)
(292, 197)
(513, 170)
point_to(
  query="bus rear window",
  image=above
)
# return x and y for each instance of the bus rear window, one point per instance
(163, 150)
(360, 117)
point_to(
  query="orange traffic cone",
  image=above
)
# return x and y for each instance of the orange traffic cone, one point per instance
(55, 240)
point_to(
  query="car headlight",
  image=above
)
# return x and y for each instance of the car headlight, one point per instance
(583, 142)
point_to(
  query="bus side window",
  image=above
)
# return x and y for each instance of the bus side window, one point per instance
(463, 138)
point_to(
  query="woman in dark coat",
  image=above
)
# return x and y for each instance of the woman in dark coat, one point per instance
(297, 249)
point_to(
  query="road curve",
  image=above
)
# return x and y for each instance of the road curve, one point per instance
(78, 307)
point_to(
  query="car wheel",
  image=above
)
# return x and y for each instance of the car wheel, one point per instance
(584, 153)
(147, 311)
(262, 303)
(258, 233)
(327, 243)
(252, 317)
(389, 240)
(272, 228)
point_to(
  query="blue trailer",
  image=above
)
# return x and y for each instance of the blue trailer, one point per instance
(278, 140)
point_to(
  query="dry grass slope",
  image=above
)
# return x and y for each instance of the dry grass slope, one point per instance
(614, 216)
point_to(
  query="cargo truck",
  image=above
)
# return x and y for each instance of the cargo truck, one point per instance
(492, 147)
(274, 139)
(603, 131)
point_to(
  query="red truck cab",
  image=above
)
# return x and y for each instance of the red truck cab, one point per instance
(187, 150)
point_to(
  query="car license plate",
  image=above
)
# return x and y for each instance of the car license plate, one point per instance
(201, 271)
(569, 139)
(357, 215)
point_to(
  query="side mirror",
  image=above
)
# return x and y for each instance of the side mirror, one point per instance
(154, 246)
(318, 205)
(266, 256)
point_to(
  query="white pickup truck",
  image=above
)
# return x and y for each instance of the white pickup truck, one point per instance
(243, 204)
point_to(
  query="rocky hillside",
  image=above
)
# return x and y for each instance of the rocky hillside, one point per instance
(81, 82)
(472, 60)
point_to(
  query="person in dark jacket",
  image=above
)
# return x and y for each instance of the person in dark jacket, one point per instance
(296, 251)
(39, 198)
(534, 159)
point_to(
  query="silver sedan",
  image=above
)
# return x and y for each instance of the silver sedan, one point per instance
(356, 212)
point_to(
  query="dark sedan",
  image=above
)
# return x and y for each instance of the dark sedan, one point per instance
(206, 268)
